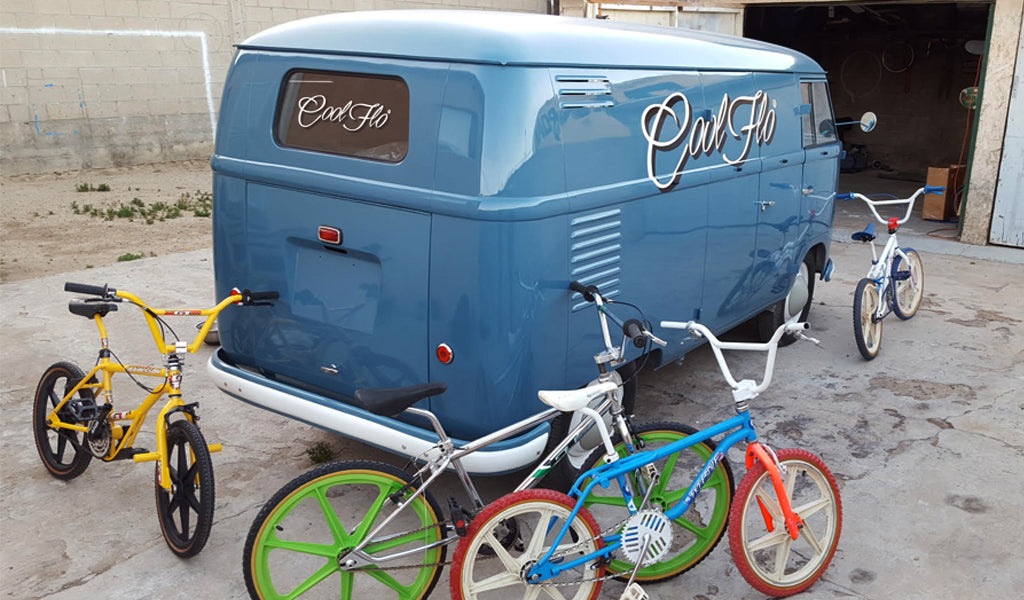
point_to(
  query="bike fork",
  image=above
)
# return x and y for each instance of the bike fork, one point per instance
(756, 451)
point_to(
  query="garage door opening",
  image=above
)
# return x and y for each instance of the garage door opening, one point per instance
(917, 66)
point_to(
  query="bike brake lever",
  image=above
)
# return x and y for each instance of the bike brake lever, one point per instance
(656, 339)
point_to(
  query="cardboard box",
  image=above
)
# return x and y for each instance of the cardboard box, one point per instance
(942, 208)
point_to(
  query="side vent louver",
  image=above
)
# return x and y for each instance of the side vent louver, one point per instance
(595, 243)
(584, 91)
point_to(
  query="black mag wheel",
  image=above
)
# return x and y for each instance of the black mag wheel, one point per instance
(186, 511)
(63, 451)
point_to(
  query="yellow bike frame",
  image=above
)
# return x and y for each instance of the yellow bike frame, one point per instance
(124, 438)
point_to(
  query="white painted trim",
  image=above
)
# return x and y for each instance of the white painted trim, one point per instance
(201, 35)
(481, 462)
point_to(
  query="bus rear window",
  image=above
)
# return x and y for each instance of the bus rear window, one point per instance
(363, 116)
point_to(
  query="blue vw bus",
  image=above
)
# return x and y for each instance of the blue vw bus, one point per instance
(421, 187)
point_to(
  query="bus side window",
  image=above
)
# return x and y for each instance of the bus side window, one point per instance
(818, 124)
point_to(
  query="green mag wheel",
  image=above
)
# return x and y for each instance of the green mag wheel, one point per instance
(697, 531)
(293, 545)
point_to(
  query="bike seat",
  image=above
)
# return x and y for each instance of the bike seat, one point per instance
(570, 400)
(90, 307)
(388, 402)
(865, 236)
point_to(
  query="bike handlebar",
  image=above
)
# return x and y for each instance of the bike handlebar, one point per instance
(93, 290)
(587, 291)
(631, 328)
(249, 297)
(152, 315)
(745, 389)
(928, 189)
(634, 330)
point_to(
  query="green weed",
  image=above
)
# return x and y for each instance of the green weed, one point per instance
(128, 256)
(88, 187)
(200, 205)
(320, 452)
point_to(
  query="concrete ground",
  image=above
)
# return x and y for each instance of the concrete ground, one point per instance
(926, 441)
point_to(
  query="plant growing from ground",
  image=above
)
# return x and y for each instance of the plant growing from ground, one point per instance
(88, 187)
(127, 256)
(320, 452)
(200, 205)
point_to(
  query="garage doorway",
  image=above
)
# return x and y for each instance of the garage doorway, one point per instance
(916, 65)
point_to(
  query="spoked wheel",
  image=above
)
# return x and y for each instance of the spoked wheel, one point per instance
(767, 556)
(866, 330)
(483, 568)
(909, 280)
(295, 542)
(696, 532)
(63, 451)
(186, 511)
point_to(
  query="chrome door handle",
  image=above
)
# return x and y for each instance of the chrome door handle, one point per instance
(808, 190)
(765, 204)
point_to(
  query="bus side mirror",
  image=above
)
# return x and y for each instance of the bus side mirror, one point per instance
(868, 121)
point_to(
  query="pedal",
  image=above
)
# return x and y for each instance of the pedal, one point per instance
(86, 409)
(634, 592)
(129, 453)
(460, 517)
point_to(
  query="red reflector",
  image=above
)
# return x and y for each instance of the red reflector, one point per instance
(329, 235)
(444, 353)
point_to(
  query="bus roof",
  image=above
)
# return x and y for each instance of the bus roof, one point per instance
(523, 39)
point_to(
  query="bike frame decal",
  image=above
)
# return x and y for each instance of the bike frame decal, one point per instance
(702, 479)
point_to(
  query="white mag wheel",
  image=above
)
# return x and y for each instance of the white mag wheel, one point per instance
(866, 330)
(489, 563)
(766, 555)
(909, 280)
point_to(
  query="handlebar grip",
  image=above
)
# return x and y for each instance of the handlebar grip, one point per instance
(635, 331)
(934, 189)
(844, 196)
(262, 295)
(250, 298)
(92, 290)
(588, 291)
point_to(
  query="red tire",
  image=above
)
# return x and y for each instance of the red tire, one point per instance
(757, 530)
(500, 540)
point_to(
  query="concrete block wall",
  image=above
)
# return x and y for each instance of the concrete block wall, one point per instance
(98, 83)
